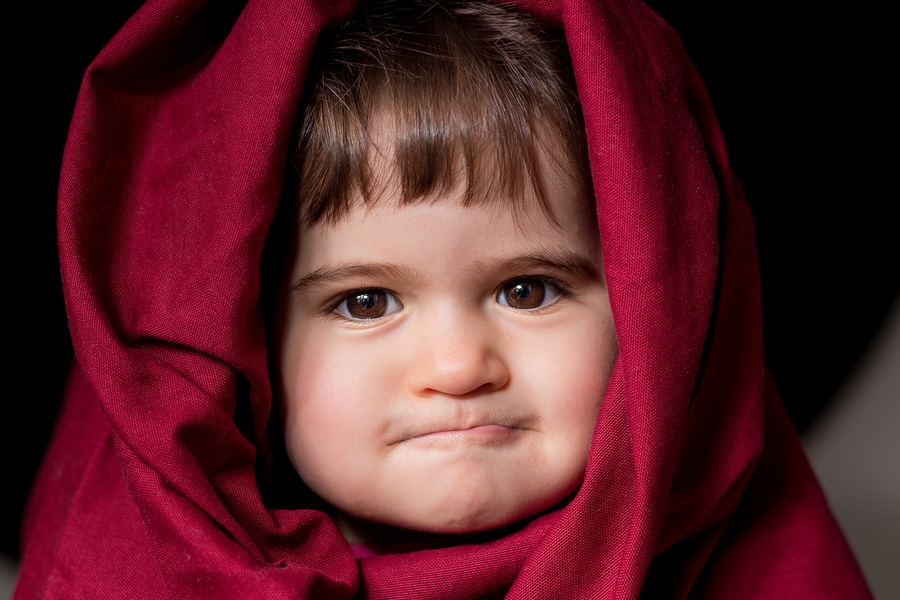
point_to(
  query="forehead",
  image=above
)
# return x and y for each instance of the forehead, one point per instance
(440, 232)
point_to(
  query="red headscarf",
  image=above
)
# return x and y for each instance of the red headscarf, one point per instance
(696, 482)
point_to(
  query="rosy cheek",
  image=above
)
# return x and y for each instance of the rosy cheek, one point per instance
(315, 406)
(329, 405)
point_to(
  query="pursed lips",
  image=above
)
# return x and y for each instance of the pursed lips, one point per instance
(483, 429)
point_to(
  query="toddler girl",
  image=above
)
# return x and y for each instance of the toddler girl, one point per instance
(513, 343)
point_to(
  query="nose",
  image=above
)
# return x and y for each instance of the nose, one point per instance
(457, 357)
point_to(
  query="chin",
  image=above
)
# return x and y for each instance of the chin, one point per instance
(459, 516)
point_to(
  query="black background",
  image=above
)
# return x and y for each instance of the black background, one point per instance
(801, 94)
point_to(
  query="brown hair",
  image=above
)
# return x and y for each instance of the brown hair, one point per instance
(444, 92)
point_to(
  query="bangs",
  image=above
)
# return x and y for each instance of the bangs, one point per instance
(437, 97)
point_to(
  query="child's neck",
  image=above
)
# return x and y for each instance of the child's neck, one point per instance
(386, 539)
(380, 539)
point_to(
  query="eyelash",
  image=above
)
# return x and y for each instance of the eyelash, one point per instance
(393, 303)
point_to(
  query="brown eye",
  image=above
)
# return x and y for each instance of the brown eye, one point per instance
(363, 305)
(527, 294)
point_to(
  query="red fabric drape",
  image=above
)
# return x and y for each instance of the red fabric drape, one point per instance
(696, 483)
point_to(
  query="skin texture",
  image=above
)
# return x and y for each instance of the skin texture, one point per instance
(422, 389)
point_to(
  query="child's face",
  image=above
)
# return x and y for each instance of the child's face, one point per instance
(442, 366)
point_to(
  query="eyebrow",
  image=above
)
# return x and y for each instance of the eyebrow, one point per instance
(546, 258)
(549, 258)
(331, 273)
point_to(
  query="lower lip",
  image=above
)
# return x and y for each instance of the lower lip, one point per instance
(482, 435)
